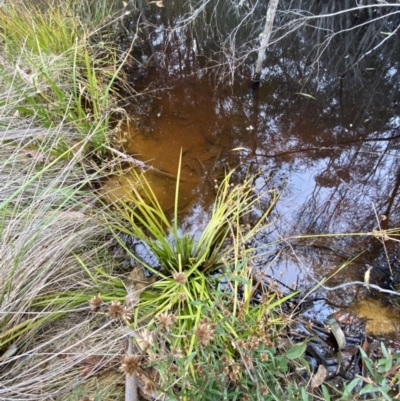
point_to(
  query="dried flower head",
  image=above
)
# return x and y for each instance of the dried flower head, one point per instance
(176, 353)
(181, 296)
(265, 299)
(236, 368)
(234, 377)
(264, 390)
(96, 301)
(180, 278)
(130, 364)
(146, 338)
(116, 310)
(204, 333)
(224, 359)
(264, 357)
(198, 368)
(173, 369)
(167, 320)
(247, 361)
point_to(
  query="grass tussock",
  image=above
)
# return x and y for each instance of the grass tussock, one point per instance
(56, 101)
(57, 68)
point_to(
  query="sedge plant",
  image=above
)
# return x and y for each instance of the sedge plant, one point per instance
(58, 70)
(182, 306)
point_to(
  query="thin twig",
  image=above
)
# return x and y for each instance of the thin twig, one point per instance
(131, 393)
(374, 286)
(145, 166)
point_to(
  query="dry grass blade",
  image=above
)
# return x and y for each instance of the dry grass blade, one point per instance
(319, 377)
(46, 220)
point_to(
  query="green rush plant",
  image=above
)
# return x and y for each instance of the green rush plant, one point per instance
(187, 264)
(183, 307)
(56, 71)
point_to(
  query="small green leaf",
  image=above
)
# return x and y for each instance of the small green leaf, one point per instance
(304, 395)
(296, 351)
(367, 389)
(190, 357)
(325, 392)
(367, 361)
(282, 365)
(384, 351)
(196, 303)
(240, 280)
(349, 388)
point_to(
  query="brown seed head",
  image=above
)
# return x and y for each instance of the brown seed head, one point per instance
(198, 368)
(176, 353)
(234, 377)
(167, 320)
(265, 299)
(146, 337)
(96, 301)
(247, 361)
(180, 278)
(115, 310)
(204, 333)
(130, 364)
(224, 359)
(236, 368)
(173, 369)
(226, 313)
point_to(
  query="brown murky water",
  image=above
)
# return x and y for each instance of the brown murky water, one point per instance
(334, 156)
(182, 122)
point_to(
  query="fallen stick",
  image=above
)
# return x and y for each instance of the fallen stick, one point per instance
(145, 166)
(131, 393)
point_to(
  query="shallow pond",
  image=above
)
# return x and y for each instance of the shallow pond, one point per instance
(323, 130)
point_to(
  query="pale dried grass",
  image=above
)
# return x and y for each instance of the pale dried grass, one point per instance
(45, 222)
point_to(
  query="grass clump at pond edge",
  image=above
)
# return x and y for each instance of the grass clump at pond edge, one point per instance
(56, 68)
(56, 101)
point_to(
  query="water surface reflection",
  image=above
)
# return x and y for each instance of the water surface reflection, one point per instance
(326, 133)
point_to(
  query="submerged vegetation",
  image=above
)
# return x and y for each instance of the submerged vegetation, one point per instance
(84, 314)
